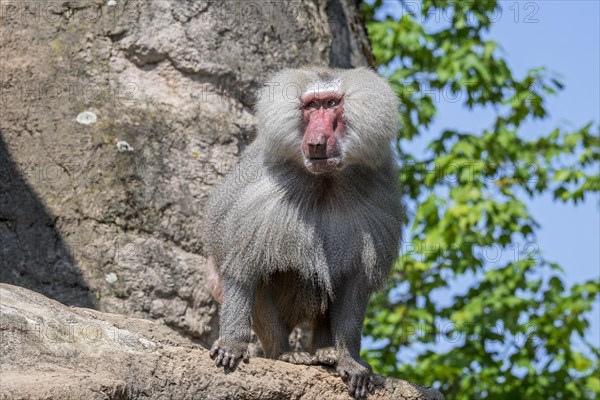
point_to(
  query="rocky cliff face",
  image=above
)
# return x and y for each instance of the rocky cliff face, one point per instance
(117, 119)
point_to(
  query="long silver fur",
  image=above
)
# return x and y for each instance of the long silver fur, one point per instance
(288, 246)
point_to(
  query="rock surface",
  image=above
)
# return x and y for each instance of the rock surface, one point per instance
(51, 351)
(117, 119)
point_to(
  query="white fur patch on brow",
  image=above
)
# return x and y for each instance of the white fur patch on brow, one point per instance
(323, 87)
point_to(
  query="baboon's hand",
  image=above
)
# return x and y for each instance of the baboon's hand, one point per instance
(229, 353)
(326, 356)
(357, 376)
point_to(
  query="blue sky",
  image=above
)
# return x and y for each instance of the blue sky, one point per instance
(564, 37)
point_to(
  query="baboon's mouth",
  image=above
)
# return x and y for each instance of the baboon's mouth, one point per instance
(319, 165)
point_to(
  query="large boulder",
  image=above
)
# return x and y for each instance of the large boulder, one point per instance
(117, 117)
(52, 351)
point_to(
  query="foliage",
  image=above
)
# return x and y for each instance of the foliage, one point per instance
(517, 331)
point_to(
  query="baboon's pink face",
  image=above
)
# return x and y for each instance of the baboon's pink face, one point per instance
(322, 115)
